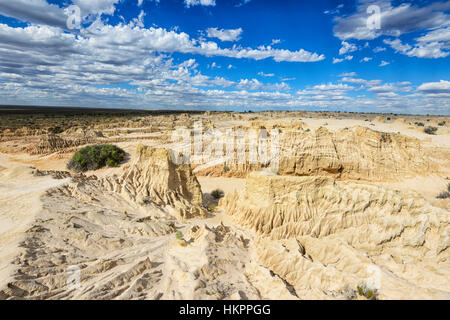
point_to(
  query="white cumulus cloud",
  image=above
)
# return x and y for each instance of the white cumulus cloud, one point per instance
(347, 48)
(96, 6)
(224, 35)
(192, 3)
(442, 86)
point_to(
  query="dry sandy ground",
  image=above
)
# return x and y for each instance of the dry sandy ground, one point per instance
(19, 204)
(129, 250)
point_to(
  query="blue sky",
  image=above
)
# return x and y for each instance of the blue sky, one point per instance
(227, 54)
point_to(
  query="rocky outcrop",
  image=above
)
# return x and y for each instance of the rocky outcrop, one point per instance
(154, 178)
(402, 121)
(355, 153)
(338, 232)
(50, 143)
(351, 153)
(270, 125)
(209, 264)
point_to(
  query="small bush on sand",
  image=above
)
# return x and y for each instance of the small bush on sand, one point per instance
(96, 157)
(443, 195)
(420, 124)
(179, 235)
(365, 291)
(430, 130)
(144, 201)
(442, 123)
(226, 169)
(217, 194)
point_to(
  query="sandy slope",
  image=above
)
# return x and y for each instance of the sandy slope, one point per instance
(272, 237)
(19, 203)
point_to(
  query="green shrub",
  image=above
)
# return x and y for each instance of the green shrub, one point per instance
(420, 124)
(369, 294)
(179, 235)
(443, 195)
(442, 123)
(226, 169)
(430, 130)
(360, 291)
(217, 194)
(96, 157)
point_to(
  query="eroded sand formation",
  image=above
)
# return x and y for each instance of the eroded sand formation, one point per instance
(349, 153)
(341, 212)
(321, 235)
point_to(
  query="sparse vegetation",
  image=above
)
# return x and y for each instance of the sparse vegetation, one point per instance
(430, 130)
(444, 194)
(217, 194)
(364, 291)
(96, 157)
(226, 168)
(441, 124)
(419, 124)
(49, 119)
(144, 201)
(179, 235)
(181, 241)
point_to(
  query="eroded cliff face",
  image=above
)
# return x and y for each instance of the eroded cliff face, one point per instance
(154, 178)
(322, 235)
(353, 153)
(52, 142)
